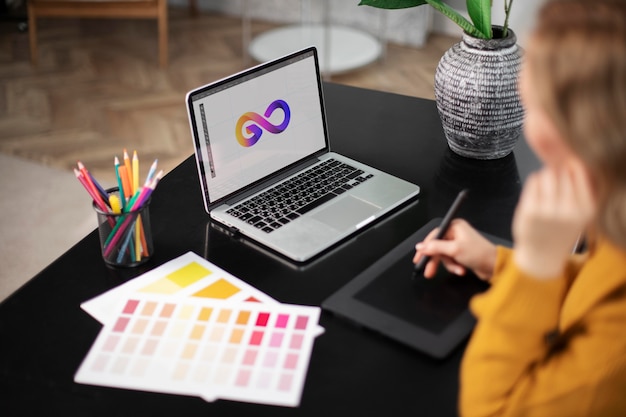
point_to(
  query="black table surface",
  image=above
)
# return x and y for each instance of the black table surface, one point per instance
(44, 334)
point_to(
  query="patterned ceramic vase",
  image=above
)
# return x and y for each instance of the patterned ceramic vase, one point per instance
(477, 97)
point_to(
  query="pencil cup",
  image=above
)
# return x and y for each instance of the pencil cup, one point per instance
(126, 236)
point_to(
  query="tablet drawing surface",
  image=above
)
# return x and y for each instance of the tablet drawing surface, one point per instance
(429, 315)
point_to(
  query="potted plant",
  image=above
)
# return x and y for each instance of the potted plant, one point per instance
(476, 80)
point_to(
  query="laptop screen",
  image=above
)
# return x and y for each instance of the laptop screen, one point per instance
(252, 125)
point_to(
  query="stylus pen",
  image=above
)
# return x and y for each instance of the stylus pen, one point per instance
(443, 228)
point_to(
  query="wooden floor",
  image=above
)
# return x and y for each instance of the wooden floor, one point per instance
(98, 88)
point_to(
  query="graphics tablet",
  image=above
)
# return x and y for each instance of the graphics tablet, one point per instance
(430, 315)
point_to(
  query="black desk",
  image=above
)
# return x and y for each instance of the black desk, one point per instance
(44, 335)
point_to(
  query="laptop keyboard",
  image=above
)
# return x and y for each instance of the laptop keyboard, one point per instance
(298, 195)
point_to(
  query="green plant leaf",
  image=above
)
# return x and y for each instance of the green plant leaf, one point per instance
(457, 18)
(392, 4)
(480, 13)
(438, 5)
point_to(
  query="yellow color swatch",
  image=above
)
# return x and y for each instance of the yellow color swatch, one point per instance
(243, 317)
(205, 313)
(162, 286)
(185, 312)
(223, 316)
(197, 332)
(221, 289)
(177, 280)
(236, 336)
(189, 274)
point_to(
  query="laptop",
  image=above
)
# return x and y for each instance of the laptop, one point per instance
(265, 165)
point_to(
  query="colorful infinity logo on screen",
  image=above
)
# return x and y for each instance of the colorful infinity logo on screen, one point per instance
(255, 130)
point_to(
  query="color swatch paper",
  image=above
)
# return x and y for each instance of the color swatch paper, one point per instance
(206, 347)
(188, 327)
(188, 275)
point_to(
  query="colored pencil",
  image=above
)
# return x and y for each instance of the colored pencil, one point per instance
(101, 190)
(147, 191)
(129, 171)
(120, 184)
(127, 233)
(152, 171)
(135, 165)
(138, 223)
(90, 184)
(127, 190)
(94, 194)
(123, 223)
(128, 241)
(116, 205)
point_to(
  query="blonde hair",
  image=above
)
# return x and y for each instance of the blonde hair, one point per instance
(578, 62)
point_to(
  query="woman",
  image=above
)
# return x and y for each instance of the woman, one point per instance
(551, 332)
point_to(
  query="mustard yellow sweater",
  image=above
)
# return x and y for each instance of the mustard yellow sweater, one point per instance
(550, 348)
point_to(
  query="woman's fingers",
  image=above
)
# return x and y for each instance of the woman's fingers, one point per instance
(441, 251)
(555, 207)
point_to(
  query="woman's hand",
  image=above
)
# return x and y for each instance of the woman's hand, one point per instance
(555, 207)
(462, 247)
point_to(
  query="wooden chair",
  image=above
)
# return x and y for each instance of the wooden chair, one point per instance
(116, 9)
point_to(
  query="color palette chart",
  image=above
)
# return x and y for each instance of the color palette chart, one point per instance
(212, 347)
(189, 275)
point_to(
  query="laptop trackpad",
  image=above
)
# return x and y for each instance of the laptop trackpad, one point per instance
(346, 212)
